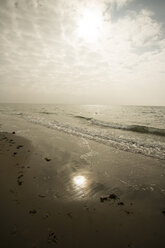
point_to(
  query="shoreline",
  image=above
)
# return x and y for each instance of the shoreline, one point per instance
(64, 179)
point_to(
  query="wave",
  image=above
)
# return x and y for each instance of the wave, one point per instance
(149, 130)
(17, 113)
(47, 113)
(121, 143)
(133, 128)
(83, 117)
(130, 144)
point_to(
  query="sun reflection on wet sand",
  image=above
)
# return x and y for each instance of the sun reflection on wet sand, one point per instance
(79, 181)
(81, 185)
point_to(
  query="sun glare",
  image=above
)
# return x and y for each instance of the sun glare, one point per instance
(89, 25)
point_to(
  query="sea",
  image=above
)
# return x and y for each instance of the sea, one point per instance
(136, 129)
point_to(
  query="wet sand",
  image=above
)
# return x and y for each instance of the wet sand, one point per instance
(58, 190)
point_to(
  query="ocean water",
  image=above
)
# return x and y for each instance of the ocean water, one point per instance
(137, 129)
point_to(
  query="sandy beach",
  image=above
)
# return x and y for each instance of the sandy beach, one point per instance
(59, 190)
(82, 124)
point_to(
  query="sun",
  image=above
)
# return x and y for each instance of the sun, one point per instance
(89, 25)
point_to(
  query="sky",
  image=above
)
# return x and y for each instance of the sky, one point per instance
(82, 52)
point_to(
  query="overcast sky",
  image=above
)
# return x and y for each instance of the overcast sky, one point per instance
(82, 51)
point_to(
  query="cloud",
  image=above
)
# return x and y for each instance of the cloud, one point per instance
(120, 3)
(112, 6)
(41, 54)
(141, 28)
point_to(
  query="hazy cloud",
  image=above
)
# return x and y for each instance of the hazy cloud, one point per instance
(51, 51)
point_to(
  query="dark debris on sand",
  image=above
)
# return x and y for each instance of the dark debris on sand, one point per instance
(128, 212)
(52, 237)
(102, 199)
(19, 181)
(42, 196)
(113, 196)
(19, 146)
(32, 211)
(163, 212)
(110, 197)
(47, 159)
(69, 215)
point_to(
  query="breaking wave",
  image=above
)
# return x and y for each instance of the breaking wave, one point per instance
(133, 128)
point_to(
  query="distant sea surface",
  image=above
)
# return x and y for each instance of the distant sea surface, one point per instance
(137, 129)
